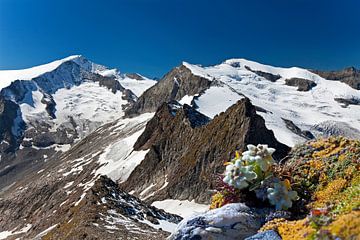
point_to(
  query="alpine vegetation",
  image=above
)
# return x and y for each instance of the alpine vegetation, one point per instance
(254, 171)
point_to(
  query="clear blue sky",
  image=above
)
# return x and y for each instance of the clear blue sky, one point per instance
(152, 36)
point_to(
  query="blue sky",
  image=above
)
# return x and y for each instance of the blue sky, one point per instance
(152, 36)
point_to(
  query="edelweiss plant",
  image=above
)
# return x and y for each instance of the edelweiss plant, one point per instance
(281, 195)
(261, 154)
(238, 175)
(255, 167)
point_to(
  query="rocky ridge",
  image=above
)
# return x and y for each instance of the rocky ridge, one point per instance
(183, 158)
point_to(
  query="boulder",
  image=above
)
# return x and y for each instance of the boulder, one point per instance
(232, 221)
(267, 235)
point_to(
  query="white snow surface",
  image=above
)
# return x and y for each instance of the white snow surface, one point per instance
(88, 104)
(137, 86)
(8, 76)
(216, 100)
(5, 234)
(119, 159)
(305, 109)
(183, 208)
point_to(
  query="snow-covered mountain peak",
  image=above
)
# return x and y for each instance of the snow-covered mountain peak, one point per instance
(286, 73)
(8, 76)
(61, 102)
(293, 93)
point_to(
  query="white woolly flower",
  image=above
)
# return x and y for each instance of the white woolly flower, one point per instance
(261, 154)
(281, 196)
(238, 176)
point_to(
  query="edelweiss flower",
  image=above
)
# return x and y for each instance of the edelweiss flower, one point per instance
(237, 175)
(281, 195)
(261, 154)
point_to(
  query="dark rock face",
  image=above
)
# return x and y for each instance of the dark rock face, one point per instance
(267, 76)
(345, 102)
(295, 129)
(188, 156)
(50, 104)
(173, 86)
(10, 129)
(111, 84)
(350, 76)
(302, 84)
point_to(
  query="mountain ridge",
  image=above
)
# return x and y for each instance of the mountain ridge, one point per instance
(182, 128)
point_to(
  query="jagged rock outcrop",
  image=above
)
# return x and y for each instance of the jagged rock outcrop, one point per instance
(183, 159)
(107, 212)
(350, 76)
(302, 84)
(10, 129)
(295, 129)
(173, 86)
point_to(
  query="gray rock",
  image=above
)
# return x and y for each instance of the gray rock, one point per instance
(302, 84)
(267, 235)
(233, 221)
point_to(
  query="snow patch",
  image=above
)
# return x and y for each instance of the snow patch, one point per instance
(183, 208)
(5, 234)
(120, 159)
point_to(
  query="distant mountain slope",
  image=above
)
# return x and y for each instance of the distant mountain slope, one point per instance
(280, 99)
(350, 76)
(45, 109)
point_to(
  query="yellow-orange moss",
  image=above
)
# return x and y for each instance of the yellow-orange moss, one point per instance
(330, 193)
(346, 226)
(272, 225)
(217, 200)
(328, 172)
(349, 199)
(316, 164)
(295, 230)
(329, 146)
